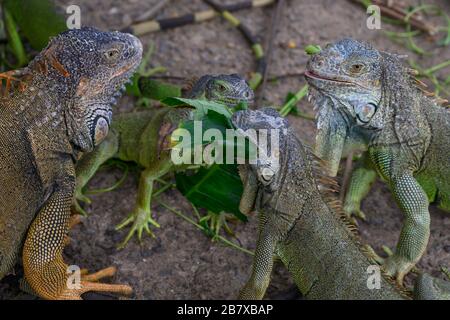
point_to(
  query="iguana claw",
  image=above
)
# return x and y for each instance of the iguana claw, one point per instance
(393, 265)
(353, 209)
(397, 268)
(141, 219)
(89, 282)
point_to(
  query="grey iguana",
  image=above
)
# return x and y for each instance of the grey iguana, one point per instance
(301, 222)
(368, 100)
(60, 108)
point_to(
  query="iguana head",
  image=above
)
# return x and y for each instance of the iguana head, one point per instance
(86, 69)
(349, 73)
(277, 180)
(227, 89)
(348, 82)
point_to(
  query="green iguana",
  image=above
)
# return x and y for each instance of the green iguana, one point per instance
(61, 107)
(367, 99)
(144, 137)
(301, 222)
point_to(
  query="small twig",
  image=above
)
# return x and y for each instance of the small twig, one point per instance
(253, 41)
(286, 109)
(114, 186)
(399, 13)
(438, 67)
(270, 40)
(196, 17)
(186, 218)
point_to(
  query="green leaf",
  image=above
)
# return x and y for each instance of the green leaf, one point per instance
(15, 42)
(37, 20)
(202, 106)
(209, 121)
(214, 120)
(132, 89)
(312, 49)
(241, 106)
(217, 189)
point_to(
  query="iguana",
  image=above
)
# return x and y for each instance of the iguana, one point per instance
(144, 137)
(301, 222)
(367, 99)
(60, 108)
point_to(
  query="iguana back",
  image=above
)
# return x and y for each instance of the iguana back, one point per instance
(20, 181)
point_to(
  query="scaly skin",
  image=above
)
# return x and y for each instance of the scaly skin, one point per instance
(61, 107)
(429, 288)
(366, 95)
(304, 226)
(143, 137)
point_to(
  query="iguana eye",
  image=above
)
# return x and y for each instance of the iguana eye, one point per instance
(112, 55)
(221, 88)
(365, 112)
(356, 68)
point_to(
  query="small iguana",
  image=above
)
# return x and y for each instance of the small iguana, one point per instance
(60, 108)
(367, 99)
(144, 136)
(301, 222)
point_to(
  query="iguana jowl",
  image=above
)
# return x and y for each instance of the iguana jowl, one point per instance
(367, 98)
(61, 108)
(144, 137)
(301, 222)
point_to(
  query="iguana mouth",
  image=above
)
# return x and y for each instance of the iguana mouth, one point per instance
(130, 68)
(314, 75)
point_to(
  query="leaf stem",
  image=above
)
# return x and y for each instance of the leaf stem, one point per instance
(286, 109)
(191, 221)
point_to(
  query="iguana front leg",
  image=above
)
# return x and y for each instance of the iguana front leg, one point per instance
(89, 164)
(256, 286)
(363, 177)
(44, 267)
(413, 201)
(141, 216)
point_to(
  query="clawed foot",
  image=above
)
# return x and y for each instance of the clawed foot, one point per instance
(214, 222)
(397, 267)
(141, 220)
(354, 210)
(393, 265)
(89, 282)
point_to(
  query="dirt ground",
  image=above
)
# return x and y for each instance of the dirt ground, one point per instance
(182, 263)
